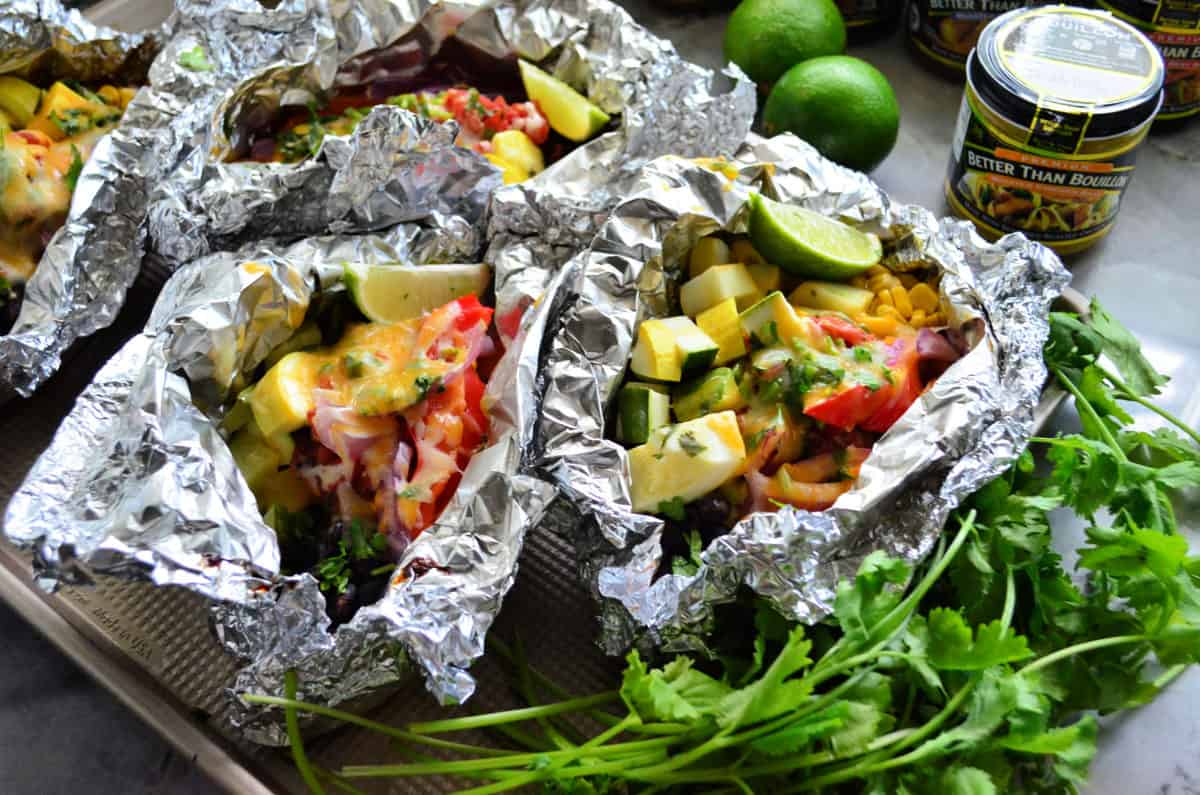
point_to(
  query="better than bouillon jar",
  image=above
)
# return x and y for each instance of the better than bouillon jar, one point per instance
(1174, 25)
(1057, 101)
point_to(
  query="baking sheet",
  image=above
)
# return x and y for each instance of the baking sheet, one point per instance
(154, 652)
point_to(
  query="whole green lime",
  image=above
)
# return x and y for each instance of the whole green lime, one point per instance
(841, 105)
(767, 37)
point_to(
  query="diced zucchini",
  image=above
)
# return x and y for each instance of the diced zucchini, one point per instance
(655, 356)
(696, 349)
(712, 392)
(845, 298)
(284, 487)
(18, 99)
(283, 398)
(771, 320)
(720, 323)
(686, 461)
(641, 409)
(714, 286)
(707, 252)
(767, 278)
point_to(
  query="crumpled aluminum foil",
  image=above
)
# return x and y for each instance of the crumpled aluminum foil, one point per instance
(81, 280)
(964, 431)
(91, 263)
(664, 103)
(139, 482)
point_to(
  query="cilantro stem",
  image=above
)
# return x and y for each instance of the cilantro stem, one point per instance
(1085, 406)
(1081, 648)
(1010, 598)
(295, 740)
(553, 688)
(1126, 393)
(381, 728)
(511, 760)
(512, 715)
(1170, 675)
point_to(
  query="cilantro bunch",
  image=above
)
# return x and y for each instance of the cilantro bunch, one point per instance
(981, 671)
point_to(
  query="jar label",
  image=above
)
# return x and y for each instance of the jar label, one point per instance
(1008, 188)
(1181, 92)
(1179, 14)
(946, 30)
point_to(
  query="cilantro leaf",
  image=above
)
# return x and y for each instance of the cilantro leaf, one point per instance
(951, 647)
(195, 60)
(75, 169)
(964, 780)
(795, 737)
(1125, 352)
(676, 692)
(688, 566)
(771, 695)
(860, 605)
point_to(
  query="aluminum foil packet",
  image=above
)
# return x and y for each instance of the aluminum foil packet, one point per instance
(965, 429)
(82, 277)
(184, 68)
(662, 103)
(139, 482)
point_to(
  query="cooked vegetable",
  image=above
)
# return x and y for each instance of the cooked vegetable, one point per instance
(723, 326)
(771, 320)
(708, 252)
(641, 410)
(833, 296)
(714, 391)
(715, 285)
(685, 461)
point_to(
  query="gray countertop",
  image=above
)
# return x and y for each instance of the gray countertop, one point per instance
(61, 733)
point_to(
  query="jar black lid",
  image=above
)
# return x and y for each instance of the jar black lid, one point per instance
(1079, 63)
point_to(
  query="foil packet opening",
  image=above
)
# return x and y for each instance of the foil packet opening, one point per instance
(963, 431)
(140, 482)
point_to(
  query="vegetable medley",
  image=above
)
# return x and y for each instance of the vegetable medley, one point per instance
(511, 134)
(355, 437)
(45, 138)
(770, 389)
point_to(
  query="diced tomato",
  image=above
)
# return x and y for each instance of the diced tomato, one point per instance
(849, 407)
(841, 329)
(474, 387)
(473, 313)
(906, 386)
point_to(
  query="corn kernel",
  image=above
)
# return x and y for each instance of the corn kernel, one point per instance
(877, 283)
(880, 326)
(935, 319)
(877, 270)
(923, 297)
(889, 311)
(918, 318)
(900, 299)
(884, 298)
(908, 280)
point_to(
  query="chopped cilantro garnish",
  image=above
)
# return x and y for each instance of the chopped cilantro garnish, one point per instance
(76, 168)
(72, 121)
(862, 354)
(690, 444)
(424, 383)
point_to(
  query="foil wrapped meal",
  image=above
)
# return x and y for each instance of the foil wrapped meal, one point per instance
(184, 68)
(218, 199)
(140, 482)
(963, 431)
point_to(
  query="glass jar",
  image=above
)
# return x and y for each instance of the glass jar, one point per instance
(1057, 101)
(943, 32)
(869, 19)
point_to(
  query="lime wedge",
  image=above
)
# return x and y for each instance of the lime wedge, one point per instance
(808, 243)
(570, 113)
(394, 293)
